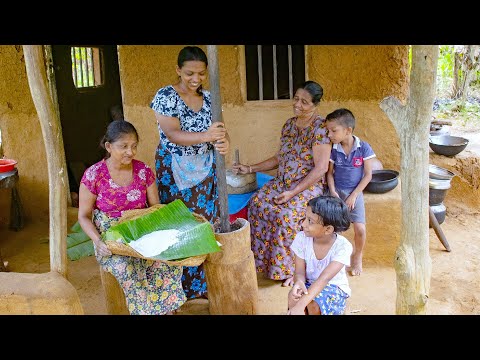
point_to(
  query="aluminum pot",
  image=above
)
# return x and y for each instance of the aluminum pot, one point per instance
(437, 172)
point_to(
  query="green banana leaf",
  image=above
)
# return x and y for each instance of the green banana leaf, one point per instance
(76, 228)
(79, 245)
(195, 237)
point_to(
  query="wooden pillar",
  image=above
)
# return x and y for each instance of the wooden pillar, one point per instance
(412, 121)
(57, 169)
(214, 80)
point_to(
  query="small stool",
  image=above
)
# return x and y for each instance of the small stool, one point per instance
(9, 180)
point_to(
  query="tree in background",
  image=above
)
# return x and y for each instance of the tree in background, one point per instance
(466, 69)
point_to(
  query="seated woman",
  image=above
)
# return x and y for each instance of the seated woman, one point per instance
(109, 187)
(275, 211)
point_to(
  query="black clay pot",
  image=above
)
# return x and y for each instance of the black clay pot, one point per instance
(448, 145)
(436, 196)
(382, 181)
(437, 190)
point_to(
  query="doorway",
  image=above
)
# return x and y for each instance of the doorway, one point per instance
(88, 86)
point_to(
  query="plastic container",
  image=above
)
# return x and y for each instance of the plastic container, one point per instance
(7, 165)
(243, 213)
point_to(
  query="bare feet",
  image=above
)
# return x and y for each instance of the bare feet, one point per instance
(356, 268)
(288, 282)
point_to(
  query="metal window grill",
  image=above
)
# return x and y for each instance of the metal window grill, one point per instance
(86, 70)
(273, 71)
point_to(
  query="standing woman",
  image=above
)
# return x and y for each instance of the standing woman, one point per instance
(184, 159)
(109, 187)
(276, 210)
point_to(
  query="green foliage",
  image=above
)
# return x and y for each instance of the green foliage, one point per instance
(445, 67)
(446, 61)
(410, 58)
(79, 245)
(461, 112)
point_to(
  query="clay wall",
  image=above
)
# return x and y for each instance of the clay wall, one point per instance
(22, 137)
(356, 77)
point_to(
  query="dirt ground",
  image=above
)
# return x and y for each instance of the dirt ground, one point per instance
(454, 286)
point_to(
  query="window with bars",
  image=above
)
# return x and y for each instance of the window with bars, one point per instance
(274, 71)
(86, 67)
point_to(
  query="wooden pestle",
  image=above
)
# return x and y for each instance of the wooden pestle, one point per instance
(237, 157)
(438, 230)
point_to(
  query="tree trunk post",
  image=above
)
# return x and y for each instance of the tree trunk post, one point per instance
(57, 170)
(231, 275)
(412, 259)
(214, 75)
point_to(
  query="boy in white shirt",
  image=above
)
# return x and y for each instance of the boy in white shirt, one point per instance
(321, 255)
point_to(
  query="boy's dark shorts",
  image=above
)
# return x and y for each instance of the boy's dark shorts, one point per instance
(357, 215)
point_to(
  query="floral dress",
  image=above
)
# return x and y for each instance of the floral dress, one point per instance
(187, 172)
(273, 227)
(150, 287)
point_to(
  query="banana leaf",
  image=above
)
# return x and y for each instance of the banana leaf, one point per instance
(195, 237)
(76, 228)
(81, 250)
(79, 245)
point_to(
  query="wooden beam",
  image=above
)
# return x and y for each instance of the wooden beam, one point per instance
(57, 170)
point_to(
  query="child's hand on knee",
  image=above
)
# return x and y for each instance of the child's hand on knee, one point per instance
(299, 289)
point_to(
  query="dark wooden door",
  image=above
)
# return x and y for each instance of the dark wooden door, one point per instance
(85, 110)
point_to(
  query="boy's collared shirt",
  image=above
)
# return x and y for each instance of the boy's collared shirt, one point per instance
(348, 170)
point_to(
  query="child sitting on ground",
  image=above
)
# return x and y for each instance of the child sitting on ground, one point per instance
(349, 172)
(321, 254)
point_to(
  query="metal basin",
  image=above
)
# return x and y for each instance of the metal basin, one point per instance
(437, 172)
(382, 181)
(448, 145)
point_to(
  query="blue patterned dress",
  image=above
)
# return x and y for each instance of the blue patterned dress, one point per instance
(200, 194)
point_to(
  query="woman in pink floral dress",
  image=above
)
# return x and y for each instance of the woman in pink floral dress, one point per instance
(109, 187)
(276, 210)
